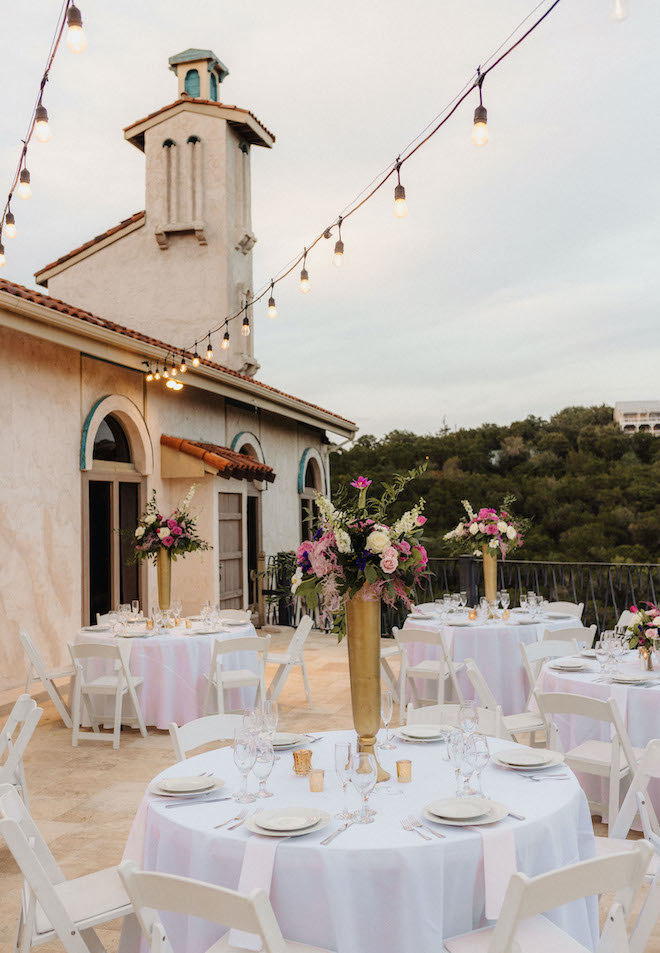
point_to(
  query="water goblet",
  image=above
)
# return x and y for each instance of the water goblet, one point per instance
(455, 601)
(344, 769)
(600, 649)
(245, 753)
(386, 710)
(455, 745)
(269, 717)
(263, 765)
(135, 608)
(252, 721)
(523, 601)
(157, 616)
(446, 599)
(463, 598)
(480, 756)
(364, 778)
(387, 761)
(468, 717)
(505, 599)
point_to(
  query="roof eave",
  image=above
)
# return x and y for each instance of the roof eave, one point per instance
(251, 128)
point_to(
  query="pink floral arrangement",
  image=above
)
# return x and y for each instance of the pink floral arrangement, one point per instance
(497, 529)
(176, 533)
(644, 627)
(358, 545)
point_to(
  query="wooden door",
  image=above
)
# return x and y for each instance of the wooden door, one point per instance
(230, 550)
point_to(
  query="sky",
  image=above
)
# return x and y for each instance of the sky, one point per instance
(525, 276)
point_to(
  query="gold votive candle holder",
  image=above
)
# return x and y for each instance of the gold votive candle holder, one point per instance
(150, 623)
(302, 761)
(316, 776)
(177, 621)
(188, 623)
(404, 771)
(506, 615)
(472, 614)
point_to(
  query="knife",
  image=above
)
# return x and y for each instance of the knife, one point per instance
(339, 830)
(205, 800)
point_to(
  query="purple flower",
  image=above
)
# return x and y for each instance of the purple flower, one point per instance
(361, 483)
(361, 561)
(317, 534)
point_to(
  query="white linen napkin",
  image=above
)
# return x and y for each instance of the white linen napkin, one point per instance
(499, 857)
(256, 871)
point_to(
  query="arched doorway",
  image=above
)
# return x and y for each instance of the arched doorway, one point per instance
(311, 480)
(248, 444)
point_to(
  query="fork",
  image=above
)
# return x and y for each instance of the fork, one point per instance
(238, 824)
(239, 817)
(417, 823)
(407, 826)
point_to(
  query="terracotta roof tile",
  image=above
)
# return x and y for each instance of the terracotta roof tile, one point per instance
(204, 102)
(227, 462)
(37, 297)
(93, 241)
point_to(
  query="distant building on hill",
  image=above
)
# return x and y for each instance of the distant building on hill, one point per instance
(638, 416)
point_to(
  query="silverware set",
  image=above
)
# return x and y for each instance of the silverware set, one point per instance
(187, 802)
(238, 820)
(340, 830)
(412, 823)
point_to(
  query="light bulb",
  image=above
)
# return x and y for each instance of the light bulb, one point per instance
(245, 330)
(166, 373)
(2, 255)
(10, 225)
(42, 128)
(157, 374)
(174, 371)
(209, 353)
(75, 38)
(196, 357)
(400, 207)
(304, 281)
(480, 129)
(338, 257)
(174, 385)
(183, 366)
(619, 10)
(272, 310)
(225, 341)
(150, 376)
(24, 187)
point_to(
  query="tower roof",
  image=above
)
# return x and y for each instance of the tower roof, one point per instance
(194, 56)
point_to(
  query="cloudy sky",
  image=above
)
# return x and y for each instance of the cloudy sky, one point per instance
(525, 276)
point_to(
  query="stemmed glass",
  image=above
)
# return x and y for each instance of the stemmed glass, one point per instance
(364, 779)
(455, 601)
(157, 615)
(480, 756)
(600, 648)
(135, 608)
(177, 606)
(269, 717)
(505, 599)
(468, 717)
(386, 710)
(463, 598)
(245, 753)
(252, 721)
(263, 765)
(455, 746)
(523, 601)
(344, 769)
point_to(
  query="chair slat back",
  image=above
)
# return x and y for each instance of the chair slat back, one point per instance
(647, 768)
(87, 650)
(426, 636)
(621, 874)
(490, 722)
(151, 893)
(482, 690)
(624, 618)
(566, 703)
(244, 614)
(299, 637)
(16, 734)
(35, 660)
(534, 655)
(569, 608)
(577, 635)
(203, 731)
(245, 643)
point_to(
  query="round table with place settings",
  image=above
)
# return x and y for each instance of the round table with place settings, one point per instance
(375, 887)
(494, 645)
(174, 664)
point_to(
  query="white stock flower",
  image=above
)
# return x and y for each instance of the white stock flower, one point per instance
(377, 541)
(139, 532)
(511, 533)
(502, 526)
(468, 508)
(163, 532)
(150, 519)
(493, 543)
(296, 579)
(407, 523)
(474, 529)
(477, 552)
(343, 541)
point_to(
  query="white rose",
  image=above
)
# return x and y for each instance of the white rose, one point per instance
(343, 541)
(493, 543)
(502, 526)
(296, 579)
(377, 541)
(150, 519)
(459, 529)
(163, 532)
(511, 533)
(139, 532)
(482, 527)
(474, 529)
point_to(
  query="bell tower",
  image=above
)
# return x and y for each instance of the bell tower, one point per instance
(199, 73)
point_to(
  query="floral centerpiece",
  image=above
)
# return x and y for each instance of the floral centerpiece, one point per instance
(164, 538)
(643, 630)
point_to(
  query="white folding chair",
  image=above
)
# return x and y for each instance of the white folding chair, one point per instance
(53, 908)
(117, 685)
(624, 618)
(16, 733)
(252, 913)
(649, 913)
(389, 650)
(490, 722)
(568, 608)
(600, 758)
(635, 802)
(522, 927)
(243, 614)
(440, 670)
(581, 635)
(202, 731)
(37, 672)
(526, 722)
(221, 679)
(294, 656)
(534, 656)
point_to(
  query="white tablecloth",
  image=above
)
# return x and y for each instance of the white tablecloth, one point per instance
(376, 888)
(639, 706)
(173, 665)
(495, 647)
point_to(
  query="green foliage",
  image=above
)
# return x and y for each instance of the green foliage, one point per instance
(592, 492)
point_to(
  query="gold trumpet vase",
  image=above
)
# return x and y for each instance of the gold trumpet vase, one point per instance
(164, 570)
(363, 635)
(490, 573)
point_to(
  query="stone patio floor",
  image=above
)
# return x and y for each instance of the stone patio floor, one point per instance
(84, 799)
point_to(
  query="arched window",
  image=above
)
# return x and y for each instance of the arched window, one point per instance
(214, 88)
(170, 181)
(312, 482)
(111, 443)
(194, 146)
(192, 83)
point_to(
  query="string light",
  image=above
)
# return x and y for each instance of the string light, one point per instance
(338, 256)
(166, 373)
(480, 128)
(304, 277)
(400, 207)
(24, 187)
(10, 225)
(157, 374)
(272, 309)
(2, 255)
(174, 371)
(75, 37)
(209, 350)
(196, 358)
(42, 129)
(150, 375)
(174, 385)
(619, 10)
(245, 330)
(183, 367)
(225, 339)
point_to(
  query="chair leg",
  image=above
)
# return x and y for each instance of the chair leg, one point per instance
(276, 684)
(390, 679)
(613, 802)
(58, 701)
(403, 684)
(116, 731)
(28, 680)
(137, 709)
(75, 714)
(92, 941)
(209, 690)
(648, 916)
(219, 691)
(306, 682)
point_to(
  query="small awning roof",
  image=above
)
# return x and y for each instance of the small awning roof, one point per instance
(227, 462)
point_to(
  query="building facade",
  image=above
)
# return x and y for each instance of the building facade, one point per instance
(638, 416)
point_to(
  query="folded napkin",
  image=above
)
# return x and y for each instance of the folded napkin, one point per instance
(499, 853)
(257, 871)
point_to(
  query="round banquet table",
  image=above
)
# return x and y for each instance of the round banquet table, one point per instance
(375, 888)
(174, 664)
(639, 706)
(495, 647)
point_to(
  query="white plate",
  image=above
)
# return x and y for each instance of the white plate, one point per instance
(288, 819)
(155, 788)
(421, 615)
(559, 615)
(186, 785)
(460, 623)
(233, 621)
(291, 743)
(131, 635)
(588, 653)
(556, 757)
(96, 628)
(526, 757)
(417, 741)
(496, 813)
(569, 665)
(459, 808)
(324, 820)
(633, 678)
(423, 732)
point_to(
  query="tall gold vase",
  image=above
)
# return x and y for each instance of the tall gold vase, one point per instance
(490, 573)
(363, 635)
(164, 569)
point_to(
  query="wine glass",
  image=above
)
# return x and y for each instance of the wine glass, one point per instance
(455, 601)
(177, 606)
(386, 710)
(343, 770)
(523, 601)
(468, 717)
(480, 756)
(455, 745)
(600, 648)
(463, 598)
(135, 608)
(252, 721)
(505, 599)
(363, 778)
(245, 753)
(263, 765)
(157, 616)
(269, 717)
(446, 600)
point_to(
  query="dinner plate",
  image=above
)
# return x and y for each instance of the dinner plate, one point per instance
(417, 741)
(459, 808)
(236, 622)
(96, 628)
(588, 653)
(496, 812)
(568, 665)
(156, 788)
(526, 757)
(423, 732)
(283, 739)
(558, 615)
(556, 757)
(633, 678)
(192, 785)
(324, 819)
(288, 819)
(460, 623)
(131, 635)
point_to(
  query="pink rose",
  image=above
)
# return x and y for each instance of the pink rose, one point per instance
(421, 520)
(424, 557)
(389, 559)
(168, 541)
(404, 547)
(172, 524)
(491, 529)
(177, 531)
